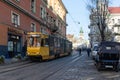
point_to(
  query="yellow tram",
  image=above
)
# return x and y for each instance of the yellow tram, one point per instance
(43, 47)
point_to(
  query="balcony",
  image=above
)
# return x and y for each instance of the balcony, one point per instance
(53, 28)
(46, 2)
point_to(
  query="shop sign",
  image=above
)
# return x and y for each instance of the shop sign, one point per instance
(15, 31)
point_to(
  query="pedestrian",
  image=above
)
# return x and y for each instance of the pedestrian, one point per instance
(24, 49)
(79, 51)
(88, 51)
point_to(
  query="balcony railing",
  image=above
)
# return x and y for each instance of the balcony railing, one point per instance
(53, 28)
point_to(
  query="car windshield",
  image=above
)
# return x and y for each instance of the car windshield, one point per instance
(95, 48)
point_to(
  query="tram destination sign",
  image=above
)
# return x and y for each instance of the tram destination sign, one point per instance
(35, 35)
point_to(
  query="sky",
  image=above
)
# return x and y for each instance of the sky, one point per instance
(78, 16)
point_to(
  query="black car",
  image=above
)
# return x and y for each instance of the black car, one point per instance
(108, 55)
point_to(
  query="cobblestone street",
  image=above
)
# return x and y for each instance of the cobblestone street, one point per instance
(73, 67)
(84, 69)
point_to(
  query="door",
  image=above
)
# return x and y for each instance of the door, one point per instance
(14, 46)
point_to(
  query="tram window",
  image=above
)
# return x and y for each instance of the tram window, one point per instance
(46, 42)
(34, 41)
(38, 42)
(31, 41)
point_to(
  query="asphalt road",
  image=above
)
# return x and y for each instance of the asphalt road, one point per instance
(72, 67)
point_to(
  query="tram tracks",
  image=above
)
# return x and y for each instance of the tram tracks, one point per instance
(57, 69)
(48, 68)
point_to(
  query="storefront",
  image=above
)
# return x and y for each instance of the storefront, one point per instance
(14, 45)
(15, 41)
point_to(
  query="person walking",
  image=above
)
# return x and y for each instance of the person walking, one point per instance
(88, 51)
(79, 51)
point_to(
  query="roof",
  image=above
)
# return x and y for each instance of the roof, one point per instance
(114, 9)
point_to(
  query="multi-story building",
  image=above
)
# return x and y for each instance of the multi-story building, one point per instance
(59, 9)
(17, 17)
(114, 22)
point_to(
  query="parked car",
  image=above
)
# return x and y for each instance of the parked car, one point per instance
(94, 52)
(108, 55)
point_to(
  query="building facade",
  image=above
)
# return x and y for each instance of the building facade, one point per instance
(79, 41)
(17, 18)
(59, 9)
(114, 22)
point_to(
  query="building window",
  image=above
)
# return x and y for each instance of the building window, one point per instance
(33, 27)
(118, 21)
(33, 6)
(113, 21)
(17, 0)
(43, 30)
(43, 12)
(118, 30)
(15, 19)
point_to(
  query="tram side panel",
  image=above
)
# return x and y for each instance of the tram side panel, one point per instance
(61, 47)
(51, 45)
(68, 47)
(58, 47)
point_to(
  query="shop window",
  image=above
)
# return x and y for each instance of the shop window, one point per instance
(10, 46)
(18, 47)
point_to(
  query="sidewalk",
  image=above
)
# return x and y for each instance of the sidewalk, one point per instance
(12, 60)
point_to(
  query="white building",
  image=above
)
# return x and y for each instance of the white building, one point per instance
(114, 22)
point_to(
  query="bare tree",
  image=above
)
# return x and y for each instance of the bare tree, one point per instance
(101, 7)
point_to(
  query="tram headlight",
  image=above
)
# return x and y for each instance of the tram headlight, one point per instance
(28, 53)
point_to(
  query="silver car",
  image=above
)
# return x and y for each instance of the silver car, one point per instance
(94, 51)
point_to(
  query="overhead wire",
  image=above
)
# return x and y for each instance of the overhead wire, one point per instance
(74, 21)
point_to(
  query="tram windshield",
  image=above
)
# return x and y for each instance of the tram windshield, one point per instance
(33, 40)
